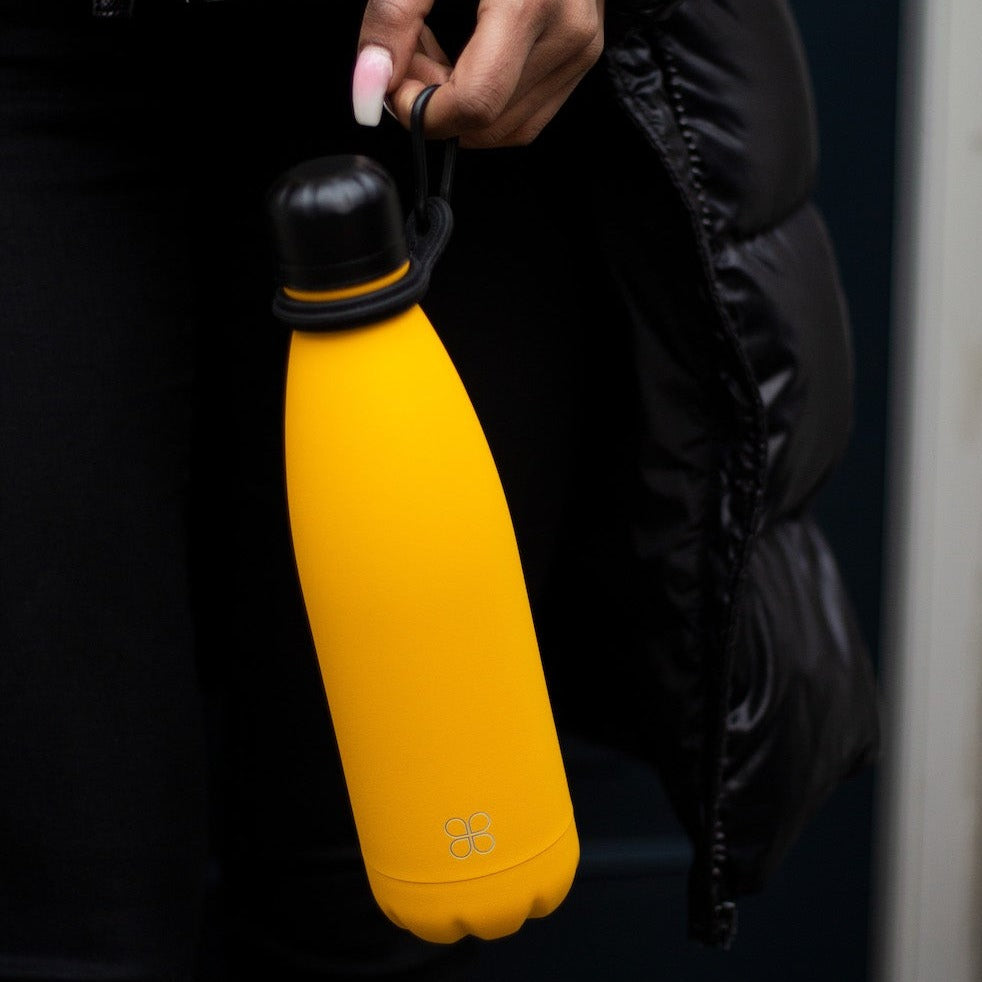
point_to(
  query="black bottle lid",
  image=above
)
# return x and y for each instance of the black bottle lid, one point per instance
(336, 222)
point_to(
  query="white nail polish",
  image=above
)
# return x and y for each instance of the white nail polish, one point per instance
(373, 72)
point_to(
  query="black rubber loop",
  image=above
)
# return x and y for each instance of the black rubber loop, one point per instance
(331, 315)
(449, 163)
(419, 157)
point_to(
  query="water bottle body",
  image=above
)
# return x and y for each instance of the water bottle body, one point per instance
(416, 600)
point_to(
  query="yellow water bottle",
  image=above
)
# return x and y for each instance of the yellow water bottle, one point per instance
(411, 576)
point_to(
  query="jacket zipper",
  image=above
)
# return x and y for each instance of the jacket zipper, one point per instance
(713, 913)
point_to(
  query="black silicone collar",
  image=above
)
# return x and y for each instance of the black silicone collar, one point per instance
(333, 315)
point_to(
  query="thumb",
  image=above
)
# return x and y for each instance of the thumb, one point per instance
(390, 31)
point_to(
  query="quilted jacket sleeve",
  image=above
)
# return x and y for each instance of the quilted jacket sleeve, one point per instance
(763, 697)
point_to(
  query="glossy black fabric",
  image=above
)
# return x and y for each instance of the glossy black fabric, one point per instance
(762, 693)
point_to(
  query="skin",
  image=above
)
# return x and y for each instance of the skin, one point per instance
(522, 62)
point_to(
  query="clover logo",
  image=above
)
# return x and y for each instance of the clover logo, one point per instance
(469, 835)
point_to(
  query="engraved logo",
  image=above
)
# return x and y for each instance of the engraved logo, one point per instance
(470, 835)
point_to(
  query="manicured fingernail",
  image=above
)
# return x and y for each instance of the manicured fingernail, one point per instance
(373, 72)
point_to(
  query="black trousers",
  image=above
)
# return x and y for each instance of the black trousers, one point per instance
(167, 768)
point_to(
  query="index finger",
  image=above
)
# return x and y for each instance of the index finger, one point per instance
(395, 26)
(486, 76)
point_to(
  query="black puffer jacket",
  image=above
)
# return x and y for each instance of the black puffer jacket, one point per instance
(762, 689)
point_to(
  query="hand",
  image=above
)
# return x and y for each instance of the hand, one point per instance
(520, 65)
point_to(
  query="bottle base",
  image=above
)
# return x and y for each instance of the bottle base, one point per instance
(488, 907)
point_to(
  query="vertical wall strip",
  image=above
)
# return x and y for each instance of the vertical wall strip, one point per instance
(929, 906)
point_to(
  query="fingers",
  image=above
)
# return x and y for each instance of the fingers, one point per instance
(430, 64)
(520, 66)
(388, 43)
(517, 126)
(523, 121)
(536, 100)
(395, 26)
(488, 74)
(482, 83)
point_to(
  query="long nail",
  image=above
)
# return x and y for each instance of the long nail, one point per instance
(373, 72)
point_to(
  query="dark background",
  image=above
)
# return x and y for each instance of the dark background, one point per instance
(625, 919)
